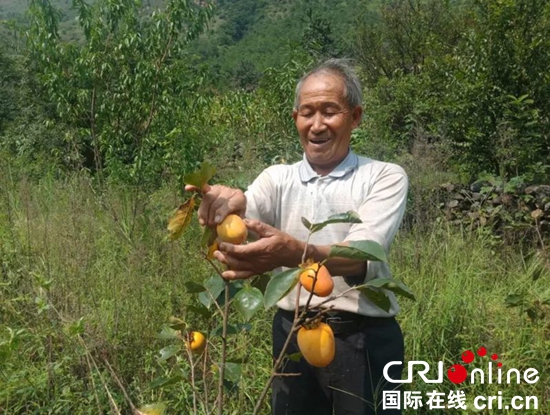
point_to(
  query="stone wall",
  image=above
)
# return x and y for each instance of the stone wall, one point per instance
(510, 211)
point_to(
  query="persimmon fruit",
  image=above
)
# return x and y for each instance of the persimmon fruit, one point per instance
(232, 229)
(317, 344)
(196, 342)
(324, 284)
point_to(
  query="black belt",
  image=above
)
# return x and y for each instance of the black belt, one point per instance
(344, 321)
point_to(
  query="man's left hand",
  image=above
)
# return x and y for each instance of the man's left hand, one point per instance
(273, 249)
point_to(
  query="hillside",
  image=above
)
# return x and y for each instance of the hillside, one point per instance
(15, 10)
(245, 37)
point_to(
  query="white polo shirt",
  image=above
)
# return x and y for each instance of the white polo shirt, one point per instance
(282, 194)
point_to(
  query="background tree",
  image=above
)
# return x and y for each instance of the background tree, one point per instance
(496, 99)
(8, 79)
(471, 81)
(125, 91)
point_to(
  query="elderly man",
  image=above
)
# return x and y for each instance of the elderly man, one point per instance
(330, 179)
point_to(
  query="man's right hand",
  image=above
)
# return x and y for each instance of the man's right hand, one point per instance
(218, 202)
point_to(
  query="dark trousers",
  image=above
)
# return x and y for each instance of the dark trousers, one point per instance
(352, 384)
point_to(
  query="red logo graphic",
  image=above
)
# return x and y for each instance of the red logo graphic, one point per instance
(457, 373)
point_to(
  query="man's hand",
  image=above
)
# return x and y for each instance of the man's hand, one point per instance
(273, 249)
(218, 202)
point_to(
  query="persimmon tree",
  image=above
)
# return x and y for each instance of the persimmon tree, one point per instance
(218, 297)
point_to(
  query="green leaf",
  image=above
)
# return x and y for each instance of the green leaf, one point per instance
(42, 304)
(392, 285)
(153, 409)
(168, 351)
(363, 250)
(232, 372)
(193, 287)
(294, 357)
(200, 310)
(76, 328)
(261, 281)
(248, 301)
(377, 297)
(234, 288)
(176, 323)
(208, 236)
(232, 388)
(280, 285)
(164, 381)
(167, 334)
(200, 177)
(42, 281)
(348, 217)
(214, 286)
(10, 345)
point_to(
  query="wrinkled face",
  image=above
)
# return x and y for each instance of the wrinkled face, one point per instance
(324, 121)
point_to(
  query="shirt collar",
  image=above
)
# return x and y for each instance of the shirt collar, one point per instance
(349, 163)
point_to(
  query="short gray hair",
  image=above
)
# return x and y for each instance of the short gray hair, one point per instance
(339, 67)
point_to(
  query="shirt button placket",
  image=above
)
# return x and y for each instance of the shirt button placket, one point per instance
(310, 214)
(316, 200)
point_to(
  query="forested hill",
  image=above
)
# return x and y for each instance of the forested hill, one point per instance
(248, 36)
(244, 37)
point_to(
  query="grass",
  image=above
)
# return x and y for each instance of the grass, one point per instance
(462, 281)
(87, 278)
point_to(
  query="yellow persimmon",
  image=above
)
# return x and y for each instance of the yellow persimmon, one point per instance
(324, 284)
(196, 342)
(232, 229)
(316, 343)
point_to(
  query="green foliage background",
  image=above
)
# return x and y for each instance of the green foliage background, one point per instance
(105, 105)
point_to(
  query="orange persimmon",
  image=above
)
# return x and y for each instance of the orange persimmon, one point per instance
(196, 342)
(323, 284)
(232, 229)
(316, 343)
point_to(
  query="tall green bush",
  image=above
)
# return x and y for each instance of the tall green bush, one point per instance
(495, 101)
(470, 77)
(127, 91)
